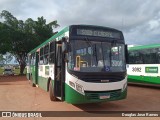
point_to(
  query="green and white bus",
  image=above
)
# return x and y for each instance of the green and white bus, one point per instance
(144, 64)
(81, 64)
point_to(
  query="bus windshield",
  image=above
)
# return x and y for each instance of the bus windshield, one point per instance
(96, 56)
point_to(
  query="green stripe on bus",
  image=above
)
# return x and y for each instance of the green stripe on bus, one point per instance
(144, 79)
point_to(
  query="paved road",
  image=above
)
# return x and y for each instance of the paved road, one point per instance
(16, 94)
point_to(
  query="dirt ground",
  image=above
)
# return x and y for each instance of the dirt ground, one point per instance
(16, 94)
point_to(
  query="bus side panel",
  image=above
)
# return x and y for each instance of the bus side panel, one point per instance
(34, 71)
(28, 73)
(143, 73)
(28, 76)
(43, 75)
(28, 67)
(42, 82)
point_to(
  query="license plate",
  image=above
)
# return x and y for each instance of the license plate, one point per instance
(104, 96)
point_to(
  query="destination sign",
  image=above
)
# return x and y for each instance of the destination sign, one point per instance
(98, 33)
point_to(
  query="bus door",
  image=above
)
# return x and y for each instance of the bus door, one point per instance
(59, 75)
(36, 67)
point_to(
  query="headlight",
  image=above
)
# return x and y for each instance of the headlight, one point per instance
(124, 86)
(72, 84)
(79, 88)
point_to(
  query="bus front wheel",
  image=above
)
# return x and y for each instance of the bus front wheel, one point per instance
(51, 92)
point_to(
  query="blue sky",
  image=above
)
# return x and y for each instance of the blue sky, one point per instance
(138, 19)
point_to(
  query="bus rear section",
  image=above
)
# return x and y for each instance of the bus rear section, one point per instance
(32, 68)
(28, 66)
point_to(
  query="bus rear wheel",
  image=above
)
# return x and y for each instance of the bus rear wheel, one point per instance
(51, 92)
(31, 82)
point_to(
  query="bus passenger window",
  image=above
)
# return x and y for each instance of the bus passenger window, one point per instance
(51, 59)
(52, 52)
(46, 54)
(41, 56)
(46, 59)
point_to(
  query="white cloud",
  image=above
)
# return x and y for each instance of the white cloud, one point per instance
(154, 24)
(138, 19)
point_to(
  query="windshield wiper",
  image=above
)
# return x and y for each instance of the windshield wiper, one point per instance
(95, 54)
(103, 56)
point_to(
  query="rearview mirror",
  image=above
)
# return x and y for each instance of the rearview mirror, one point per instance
(65, 45)
(126, 53)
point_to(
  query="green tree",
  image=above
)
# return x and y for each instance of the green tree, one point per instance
(4, 38)
(19, 37)
(2, 59)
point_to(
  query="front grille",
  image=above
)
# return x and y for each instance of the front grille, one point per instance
(96, 95)
(99, 80)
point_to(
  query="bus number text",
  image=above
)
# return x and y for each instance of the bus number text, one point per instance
(136, 69)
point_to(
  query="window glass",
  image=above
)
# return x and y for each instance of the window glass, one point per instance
(146, 56)
(46, 55)
(96, 56)
(33, 59)
(52, 52)
(41, 56)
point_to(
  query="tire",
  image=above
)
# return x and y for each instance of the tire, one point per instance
(51, 92)
(31, 82)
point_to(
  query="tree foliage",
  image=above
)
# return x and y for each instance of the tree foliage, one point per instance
(19, 37)
(2, 59)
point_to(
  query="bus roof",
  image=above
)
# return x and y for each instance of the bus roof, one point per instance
(141, 47)
(62, 32)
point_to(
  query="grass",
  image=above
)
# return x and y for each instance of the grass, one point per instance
(16, 71)
(1, 71)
